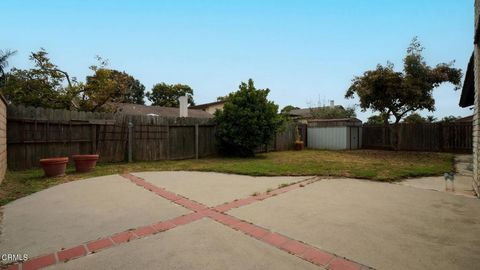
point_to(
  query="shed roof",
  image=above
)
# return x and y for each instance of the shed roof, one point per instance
(352, 119)
(339, 122)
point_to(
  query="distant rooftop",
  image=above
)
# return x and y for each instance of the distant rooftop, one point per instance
(137, 109)
(206, 105)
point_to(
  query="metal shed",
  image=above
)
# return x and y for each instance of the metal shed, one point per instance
(334, 134)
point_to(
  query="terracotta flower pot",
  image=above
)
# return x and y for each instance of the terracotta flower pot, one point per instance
(54, 166)
(298, 145)
(85, 163)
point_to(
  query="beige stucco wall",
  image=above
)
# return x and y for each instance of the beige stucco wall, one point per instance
(3, 139)
(476, 118)
(213, 108)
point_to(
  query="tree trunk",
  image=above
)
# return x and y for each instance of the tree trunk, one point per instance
(396, 134)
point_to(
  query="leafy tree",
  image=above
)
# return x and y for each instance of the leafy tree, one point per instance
(47, 86)
(336, 112)
(415, 118)
(167, 95)
(397, 94)
(108, 86)
(222, 98)
(105, 86)
(41, 86)
(135, 91)
(4, 55)
(375, 120)
(288, 108)
(431, 119)
(449, 119)
(247, 121)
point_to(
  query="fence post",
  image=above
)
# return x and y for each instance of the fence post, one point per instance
(275, 142)
(168, 141)
(93, 129)
(196, 141)
(130, 139)
(441, 139)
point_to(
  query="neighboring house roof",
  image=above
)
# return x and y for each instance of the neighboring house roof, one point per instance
(137, 109)
(466, 119)
(206, 105)
(468, 92)
(307, 113)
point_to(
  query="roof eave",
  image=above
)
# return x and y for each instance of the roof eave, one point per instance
(467, 97)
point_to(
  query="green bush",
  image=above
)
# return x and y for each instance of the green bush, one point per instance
(247, 121)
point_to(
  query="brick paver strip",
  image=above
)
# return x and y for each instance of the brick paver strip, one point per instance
(294, 247)
(317, 256)
(13, 267)
(182, 220)
(99, 244)
(107, 242)
(163, 226)
(224, 207)
(168, 195)
(263, 196)
(257, 232)
(343, 264)
(297, 248)
(191, 204)
(225, 219)
(243, 226)
(275, 239)
(123, 237)
(144, 231)
(39, 262)
(71, 253)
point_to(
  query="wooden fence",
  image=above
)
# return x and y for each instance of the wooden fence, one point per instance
(282, 141)
(35, 133)
(437, 137)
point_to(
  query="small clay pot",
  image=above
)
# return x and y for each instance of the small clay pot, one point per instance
(85, 163)
(54, 166)
(298, 145)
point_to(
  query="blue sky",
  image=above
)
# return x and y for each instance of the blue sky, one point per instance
(306, 52)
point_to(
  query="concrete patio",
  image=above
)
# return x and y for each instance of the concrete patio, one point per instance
(199, 220)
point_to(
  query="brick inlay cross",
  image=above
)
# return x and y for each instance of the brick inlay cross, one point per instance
(217, 213)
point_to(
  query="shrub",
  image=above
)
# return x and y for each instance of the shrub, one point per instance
(247, 121)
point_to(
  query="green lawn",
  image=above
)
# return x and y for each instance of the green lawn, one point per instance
(367, 164)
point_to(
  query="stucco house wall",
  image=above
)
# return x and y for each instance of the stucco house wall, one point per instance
(213, 108)
(209, 107)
